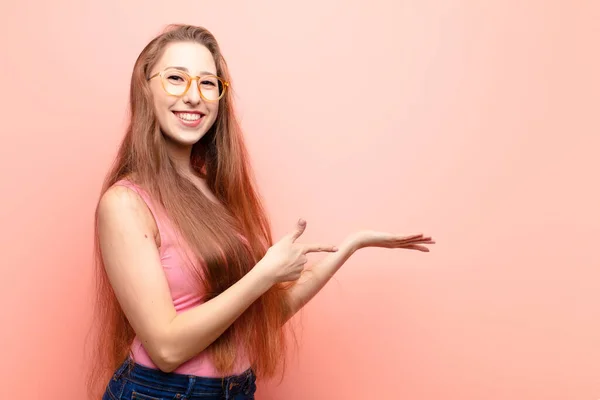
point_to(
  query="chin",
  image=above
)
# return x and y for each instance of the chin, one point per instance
(188, 141)
(184, 138)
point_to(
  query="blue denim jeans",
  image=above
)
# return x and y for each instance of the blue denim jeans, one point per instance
(132, 381)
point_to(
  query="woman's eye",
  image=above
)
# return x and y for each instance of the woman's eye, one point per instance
(211, 83)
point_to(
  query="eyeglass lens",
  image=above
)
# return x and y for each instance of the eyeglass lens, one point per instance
(175, 83)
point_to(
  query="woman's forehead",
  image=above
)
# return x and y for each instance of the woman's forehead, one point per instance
(193, 58)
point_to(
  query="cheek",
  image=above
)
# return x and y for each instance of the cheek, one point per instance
(162, 109)
(214, 110)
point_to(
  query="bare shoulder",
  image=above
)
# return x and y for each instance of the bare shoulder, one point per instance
(132, 262)
(121, 209)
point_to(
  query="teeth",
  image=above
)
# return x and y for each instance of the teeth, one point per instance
(189, 116)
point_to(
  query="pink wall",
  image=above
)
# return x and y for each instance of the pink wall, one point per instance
(473, 121)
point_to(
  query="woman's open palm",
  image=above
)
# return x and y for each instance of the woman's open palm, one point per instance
(369, 238)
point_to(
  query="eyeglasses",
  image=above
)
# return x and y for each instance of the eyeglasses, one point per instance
(176, 83)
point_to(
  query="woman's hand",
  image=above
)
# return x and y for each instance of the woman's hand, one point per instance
(369, 238)
(285, 260)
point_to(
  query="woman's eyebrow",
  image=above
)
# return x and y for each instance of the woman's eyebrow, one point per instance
(188, 71)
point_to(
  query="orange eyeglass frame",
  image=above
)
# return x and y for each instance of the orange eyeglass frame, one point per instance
(189, 83)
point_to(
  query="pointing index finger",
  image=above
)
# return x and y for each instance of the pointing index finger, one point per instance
(313, 248)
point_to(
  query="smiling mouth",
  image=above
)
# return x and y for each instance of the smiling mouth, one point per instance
(188, 116)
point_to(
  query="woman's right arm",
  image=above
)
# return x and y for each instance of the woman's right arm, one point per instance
(127, 233)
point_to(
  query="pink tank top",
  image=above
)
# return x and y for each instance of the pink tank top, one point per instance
(185, 292)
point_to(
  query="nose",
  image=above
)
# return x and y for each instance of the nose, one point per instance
(192, 97)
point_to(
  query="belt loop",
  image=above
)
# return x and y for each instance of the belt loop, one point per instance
(227, 387)
(121, 369)
(190, 389)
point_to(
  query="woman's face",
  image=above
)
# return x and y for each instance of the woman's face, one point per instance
(184, 119)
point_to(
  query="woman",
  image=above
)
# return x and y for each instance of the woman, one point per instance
(193, 294)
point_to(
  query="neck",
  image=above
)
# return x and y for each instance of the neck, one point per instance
(181, 156)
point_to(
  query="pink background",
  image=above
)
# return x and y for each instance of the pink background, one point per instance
(473, 121)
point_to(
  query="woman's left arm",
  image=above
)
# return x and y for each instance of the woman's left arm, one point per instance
(315, 278)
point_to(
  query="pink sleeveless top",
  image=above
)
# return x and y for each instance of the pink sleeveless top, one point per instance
(185, 292)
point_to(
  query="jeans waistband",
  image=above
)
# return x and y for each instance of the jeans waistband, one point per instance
(179, 382)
